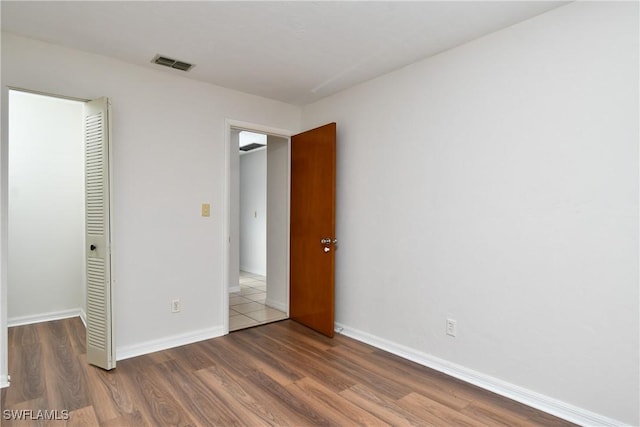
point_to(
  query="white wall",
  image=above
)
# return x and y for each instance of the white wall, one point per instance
(278, 167)
(46, 273)
(168, 144)
(253, 211)
(497, 184)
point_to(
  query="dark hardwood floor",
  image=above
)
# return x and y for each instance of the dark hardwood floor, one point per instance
(277, 374)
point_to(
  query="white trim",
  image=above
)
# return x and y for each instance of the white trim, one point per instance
(44, 317)
(226, 240)
(277, 305)
(48, 94)
(252, 127)
(4, 381)
(253, 270)
(528, 397)
(83, 317)
(165, 343)
(4, 193)
(235, 288)
(288, 260)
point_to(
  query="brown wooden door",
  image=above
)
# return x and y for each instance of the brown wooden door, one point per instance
(313, 189)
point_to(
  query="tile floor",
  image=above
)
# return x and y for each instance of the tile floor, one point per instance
(247, 308)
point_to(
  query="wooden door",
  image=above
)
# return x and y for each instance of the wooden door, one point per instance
(312, 256)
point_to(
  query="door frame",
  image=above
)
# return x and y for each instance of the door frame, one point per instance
(231, 124)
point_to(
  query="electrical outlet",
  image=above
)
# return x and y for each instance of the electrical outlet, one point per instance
(175, 306)
(451, 327)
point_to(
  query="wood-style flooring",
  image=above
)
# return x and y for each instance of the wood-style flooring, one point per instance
(277, 374)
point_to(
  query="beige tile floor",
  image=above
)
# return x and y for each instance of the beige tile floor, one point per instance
(247, 308)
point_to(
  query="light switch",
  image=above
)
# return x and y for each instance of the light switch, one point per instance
(206, 209)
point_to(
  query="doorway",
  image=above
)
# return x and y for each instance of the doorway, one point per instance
(258, 226)
(46, 209)
(248, 301)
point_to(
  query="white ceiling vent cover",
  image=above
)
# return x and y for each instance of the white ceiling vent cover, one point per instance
(172, 63)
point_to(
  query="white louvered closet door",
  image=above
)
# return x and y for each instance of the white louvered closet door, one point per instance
(99, 322)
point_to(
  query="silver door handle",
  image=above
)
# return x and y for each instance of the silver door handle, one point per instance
(328, 241)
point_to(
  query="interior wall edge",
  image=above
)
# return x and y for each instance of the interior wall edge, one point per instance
(277, 305)
(253, 270)
(4, 148)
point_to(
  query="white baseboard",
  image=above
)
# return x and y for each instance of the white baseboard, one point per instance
(235, 288)
(4, 381)
(44, 317)
(165, 343)
(277, 305)
(251, 270)
(83, 317)
(530, 398)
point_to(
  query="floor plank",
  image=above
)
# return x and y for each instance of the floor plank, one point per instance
(339, 411)
(434, 412)
(281, 374)
(83, 417)
(194, 395)
(382, 407)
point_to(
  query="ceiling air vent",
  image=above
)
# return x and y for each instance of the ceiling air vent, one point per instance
(173, 63)
(251, 146)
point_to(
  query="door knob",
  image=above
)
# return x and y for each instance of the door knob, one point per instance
(328, 241)
(93, 247)
(326, 249)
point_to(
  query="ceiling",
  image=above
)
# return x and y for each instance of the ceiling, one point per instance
(295, 52)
